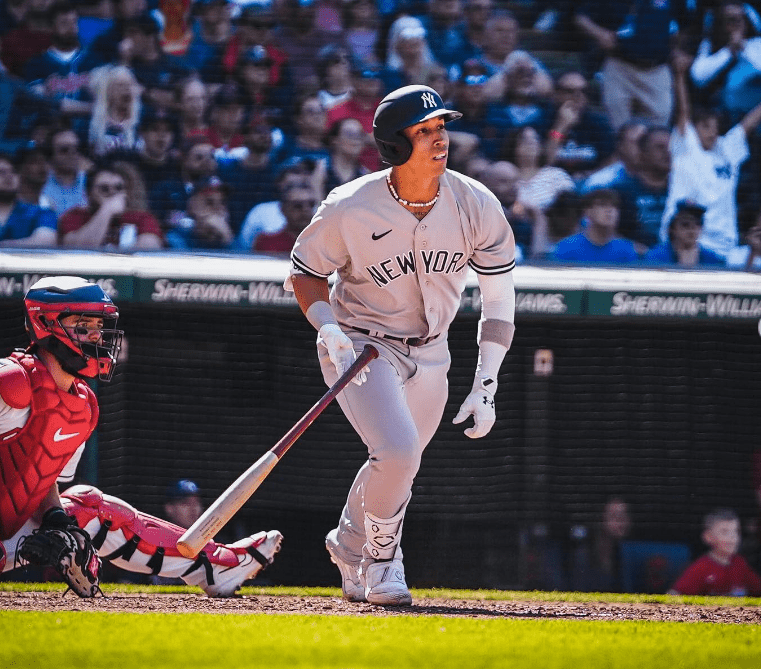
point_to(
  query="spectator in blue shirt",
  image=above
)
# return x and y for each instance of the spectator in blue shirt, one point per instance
(211, 32)
(482, 125)
(205, 223)
(645, 191)
(22, 224)
(62, 73)
(65, 187)
(580, 139)
(157, 72)
(445, 25)
(726, 68)
(635, 40)
(22, 113)
(598, 242)
(104, 49)
(169, 199)
(251, 173)
(682, 247)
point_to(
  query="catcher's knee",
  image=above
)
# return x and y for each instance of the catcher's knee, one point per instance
(86, 503)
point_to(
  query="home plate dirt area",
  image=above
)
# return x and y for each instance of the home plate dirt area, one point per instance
(245, 604)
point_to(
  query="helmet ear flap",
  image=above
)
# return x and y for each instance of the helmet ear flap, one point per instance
(397, 152)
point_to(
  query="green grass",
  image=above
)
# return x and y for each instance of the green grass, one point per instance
(189, 641)
(76, 639)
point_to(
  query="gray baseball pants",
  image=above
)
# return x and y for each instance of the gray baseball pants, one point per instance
(396, 413)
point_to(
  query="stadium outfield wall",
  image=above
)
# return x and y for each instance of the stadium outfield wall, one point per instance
(256, 282)
(635, 382)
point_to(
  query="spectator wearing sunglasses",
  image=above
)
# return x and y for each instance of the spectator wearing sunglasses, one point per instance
(205, 224)
(108, 222)
(65, 187)
(254, 26)
(297, 203)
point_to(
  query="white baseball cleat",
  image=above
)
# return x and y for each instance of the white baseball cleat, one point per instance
(260, 552)
(351, 585)
(385, 584)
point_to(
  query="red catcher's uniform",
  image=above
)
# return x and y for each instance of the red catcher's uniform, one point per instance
(705, 576)
(32, 457)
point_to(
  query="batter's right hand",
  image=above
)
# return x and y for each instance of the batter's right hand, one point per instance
(340, 350)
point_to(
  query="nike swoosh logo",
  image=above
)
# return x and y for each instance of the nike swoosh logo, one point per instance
(60, 436)
(380, 236)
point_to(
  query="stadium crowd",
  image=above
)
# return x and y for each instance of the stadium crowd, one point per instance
(611, 131)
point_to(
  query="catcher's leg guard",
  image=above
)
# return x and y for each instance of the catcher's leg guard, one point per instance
(138, 542)
(2, 557)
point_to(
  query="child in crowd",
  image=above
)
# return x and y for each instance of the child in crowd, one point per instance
(721, 571)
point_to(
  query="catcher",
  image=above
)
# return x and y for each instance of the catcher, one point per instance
(47, 413)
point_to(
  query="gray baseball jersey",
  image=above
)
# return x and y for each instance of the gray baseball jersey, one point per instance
(403, 277)
(396, 274)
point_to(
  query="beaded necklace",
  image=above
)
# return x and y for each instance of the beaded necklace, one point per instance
(421, 205)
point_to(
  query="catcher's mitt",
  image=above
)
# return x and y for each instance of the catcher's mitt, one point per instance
(69, 550)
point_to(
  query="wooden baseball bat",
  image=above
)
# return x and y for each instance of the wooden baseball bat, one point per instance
(227, 504)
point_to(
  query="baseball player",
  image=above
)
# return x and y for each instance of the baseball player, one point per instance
(47, 412)
(401, 241)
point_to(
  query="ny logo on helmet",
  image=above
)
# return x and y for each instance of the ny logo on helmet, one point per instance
(428, 100)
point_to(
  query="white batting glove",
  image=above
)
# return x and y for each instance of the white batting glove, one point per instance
(340, 350)
(480, 405)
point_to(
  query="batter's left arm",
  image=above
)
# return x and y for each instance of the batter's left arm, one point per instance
(495, 336)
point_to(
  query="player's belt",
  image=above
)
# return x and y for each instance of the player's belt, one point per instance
(410, 341)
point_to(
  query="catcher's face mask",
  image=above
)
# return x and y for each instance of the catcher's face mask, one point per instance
(76, 321)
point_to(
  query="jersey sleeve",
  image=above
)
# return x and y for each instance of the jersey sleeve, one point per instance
(320, 249)
(735, 145)
(494, 242)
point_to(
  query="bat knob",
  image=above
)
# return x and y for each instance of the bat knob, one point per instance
(184, 549)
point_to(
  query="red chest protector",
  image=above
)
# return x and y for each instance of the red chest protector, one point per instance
(32, 457)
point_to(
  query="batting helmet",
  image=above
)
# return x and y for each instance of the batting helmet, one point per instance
(53, 298)
(399, 110)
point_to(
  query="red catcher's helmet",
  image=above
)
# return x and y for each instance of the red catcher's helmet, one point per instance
(53, 298)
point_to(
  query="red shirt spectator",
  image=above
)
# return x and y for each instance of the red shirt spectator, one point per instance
(361, 106)
(120, 235)
(705, 576)
(297, 202)
(275, 242)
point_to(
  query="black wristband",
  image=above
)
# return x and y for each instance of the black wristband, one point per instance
(57, 517)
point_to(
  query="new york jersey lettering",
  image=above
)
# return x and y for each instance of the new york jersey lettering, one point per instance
(431, 262)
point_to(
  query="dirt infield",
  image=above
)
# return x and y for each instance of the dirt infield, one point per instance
(192, 603)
